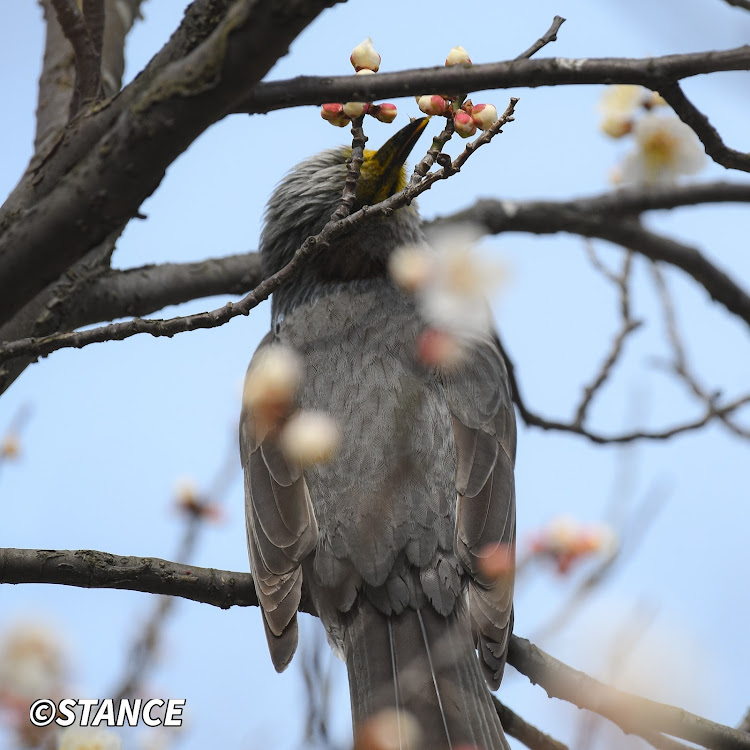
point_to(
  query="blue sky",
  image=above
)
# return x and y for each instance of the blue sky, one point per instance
(114, 425)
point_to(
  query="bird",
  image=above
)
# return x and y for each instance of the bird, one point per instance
(388, 536)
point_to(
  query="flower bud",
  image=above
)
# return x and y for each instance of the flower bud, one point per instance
(458, 56)
(310, 437)
(465, 126)
(432, 104)
(334, 113)
(355, 109)
(385, 112)
(365, 57)
(484, 115)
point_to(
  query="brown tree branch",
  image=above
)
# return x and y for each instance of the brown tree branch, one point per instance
(532, 419)
(739, 3)
(113, 176)
(547, 217)
(709, 136)
(87, 53)
(631, 713)
(147, 289)
(650, 72)
(221, 588)
(219, 316)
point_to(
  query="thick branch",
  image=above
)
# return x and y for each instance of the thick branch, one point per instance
(87, 56)
(631, 713)
(709, 136)
(546, 217)
(221, 588)
(312, 245)
(114, 176)
(650, 72)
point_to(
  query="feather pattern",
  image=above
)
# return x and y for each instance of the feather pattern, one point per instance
(281, 531)
(485, 434)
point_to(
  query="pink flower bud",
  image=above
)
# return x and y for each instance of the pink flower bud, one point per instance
(385, 112)
(458, 56)
(355, 109)
(484, 115)
(465, 126)
(365, 57)
(334, 113)
(432, 104)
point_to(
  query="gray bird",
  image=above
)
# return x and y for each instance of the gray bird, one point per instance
(388, 535)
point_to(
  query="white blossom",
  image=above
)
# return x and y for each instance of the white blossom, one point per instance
(665, 149)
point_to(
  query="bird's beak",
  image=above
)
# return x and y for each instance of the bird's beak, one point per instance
(383, 172)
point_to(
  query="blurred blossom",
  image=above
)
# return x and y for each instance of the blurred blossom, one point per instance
(88, 738)
(32, 663)
(388, 730)
(566, 541)
(497, 559)
(412, 266)
(618, 106)
(458, 56)
(191, 501)
(271, 384)
(648, 650)
(10, 446)
(365, 56)
(310, 437)
(438, 348)
(665, 149)
(451, 281)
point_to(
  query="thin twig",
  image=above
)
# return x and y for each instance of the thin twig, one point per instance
(627, 326)
(549, 36)
(310, 247)
(353, 166)
(699, 123)
(533, 419)
(679, 364)
(524, 732)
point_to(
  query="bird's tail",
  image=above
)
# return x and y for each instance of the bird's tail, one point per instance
(425, 666)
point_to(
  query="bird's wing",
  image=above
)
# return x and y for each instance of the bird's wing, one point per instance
(281, 530)
(484, 427)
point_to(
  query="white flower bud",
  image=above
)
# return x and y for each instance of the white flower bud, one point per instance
(432, 104)
(334, 113)
(458, 56)
(385, 112)
(355, 109)
(364, 57)
(484, 115)
(465, 126)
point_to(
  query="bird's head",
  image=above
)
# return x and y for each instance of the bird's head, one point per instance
(305, 199)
